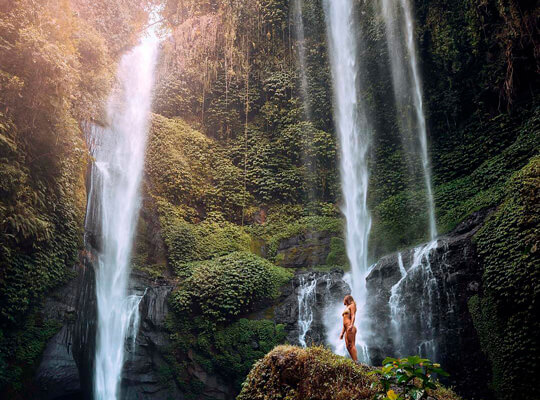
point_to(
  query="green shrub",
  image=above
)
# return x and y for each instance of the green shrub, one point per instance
(412, 376)
(228, 286)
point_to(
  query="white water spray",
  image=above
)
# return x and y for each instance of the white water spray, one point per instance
(113, 210)
(354, 135)
(399, 23)
(404, 318)
(306, 302)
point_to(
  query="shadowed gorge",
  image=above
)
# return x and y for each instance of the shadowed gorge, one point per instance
(190, 188)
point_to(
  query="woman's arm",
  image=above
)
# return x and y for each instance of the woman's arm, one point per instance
(342, 332)
(352, 310)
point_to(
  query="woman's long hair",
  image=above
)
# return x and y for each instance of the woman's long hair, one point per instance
(349, 300)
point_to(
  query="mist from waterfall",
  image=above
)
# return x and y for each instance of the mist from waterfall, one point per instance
(407, 85)
(113, 208)
(354, 132)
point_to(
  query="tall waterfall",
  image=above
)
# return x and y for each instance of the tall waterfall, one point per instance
(354, 135)
(113, 208)
(399, 24)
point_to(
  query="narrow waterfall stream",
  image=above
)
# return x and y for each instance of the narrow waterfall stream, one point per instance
(415, 316)
(354, 133)
(113, 206)
(407, 85)
(306, 303)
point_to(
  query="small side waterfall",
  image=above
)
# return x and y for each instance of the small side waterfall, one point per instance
(399, 24)
(113, 207)
(306, 304)
(354, 132)
(412, 321)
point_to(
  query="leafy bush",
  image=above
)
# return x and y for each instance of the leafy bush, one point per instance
(412, 376)
(228, 286)
(187, 242)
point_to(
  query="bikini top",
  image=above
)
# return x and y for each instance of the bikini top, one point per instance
(347, 311)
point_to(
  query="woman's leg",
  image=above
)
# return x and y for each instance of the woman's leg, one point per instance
(350, 341)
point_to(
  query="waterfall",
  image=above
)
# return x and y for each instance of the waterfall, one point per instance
(399, 25)
(113, 207)
(306, 302)
(354, 136)
(414, 331)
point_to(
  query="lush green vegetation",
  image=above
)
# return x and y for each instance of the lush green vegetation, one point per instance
(315, 373)
(506, 313)
(413, 378)
(206, 305)
(238, 161)
(225, 287)
(56, 63)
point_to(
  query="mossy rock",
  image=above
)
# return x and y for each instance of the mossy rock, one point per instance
(294, 373)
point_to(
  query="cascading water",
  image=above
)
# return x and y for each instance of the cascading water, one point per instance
(412, 321)
(354, 135)
(113, 206)
(306, 303)
(399, 24)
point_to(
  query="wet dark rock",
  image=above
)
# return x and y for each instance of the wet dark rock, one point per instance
(457, 273)
(141, 377)
(330, 288)
(304, 250)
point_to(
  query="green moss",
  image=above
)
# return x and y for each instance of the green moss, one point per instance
(20, 350)
(293, 373)
(277, 230)
(193, 172)
(227, 351)
(338, 253)
(505, 315)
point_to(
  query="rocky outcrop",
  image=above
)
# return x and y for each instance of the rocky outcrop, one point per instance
(142, 377)
(289, 372)
(58, 375)
(304, 250)
(421, 307)
(61, 368)
(329, 288)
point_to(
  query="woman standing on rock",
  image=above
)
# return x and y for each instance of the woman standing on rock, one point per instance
(349, 330)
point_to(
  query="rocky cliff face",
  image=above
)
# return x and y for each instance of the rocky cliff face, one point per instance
(417, 301)
(326, 288)
(304, 250)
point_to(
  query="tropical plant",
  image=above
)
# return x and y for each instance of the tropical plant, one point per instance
(412, 377)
